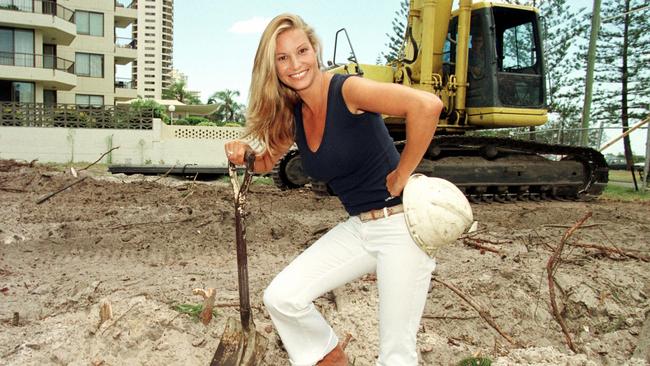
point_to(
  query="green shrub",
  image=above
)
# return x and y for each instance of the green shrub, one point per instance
(195, 121)
(208, 123)
(159, 111)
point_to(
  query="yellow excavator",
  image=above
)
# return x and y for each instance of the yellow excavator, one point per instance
(485, 61)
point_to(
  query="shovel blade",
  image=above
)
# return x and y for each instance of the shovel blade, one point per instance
(239, 347)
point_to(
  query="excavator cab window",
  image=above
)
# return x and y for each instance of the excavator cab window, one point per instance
(480, 61)
(520, 71)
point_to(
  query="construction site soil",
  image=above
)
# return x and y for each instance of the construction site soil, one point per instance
(143, 243)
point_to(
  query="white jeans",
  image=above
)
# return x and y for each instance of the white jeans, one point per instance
(348, 251)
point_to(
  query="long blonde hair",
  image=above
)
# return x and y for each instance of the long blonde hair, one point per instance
(269, 117)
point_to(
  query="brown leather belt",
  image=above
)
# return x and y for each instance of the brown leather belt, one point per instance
(380, 213)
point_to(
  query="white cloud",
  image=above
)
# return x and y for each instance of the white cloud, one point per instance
(252, 25)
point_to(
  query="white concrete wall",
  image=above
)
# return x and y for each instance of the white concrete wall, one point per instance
(163, 145)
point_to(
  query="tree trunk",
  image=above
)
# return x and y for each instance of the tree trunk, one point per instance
(629, 157)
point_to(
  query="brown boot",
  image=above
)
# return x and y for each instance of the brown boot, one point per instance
(336, 357)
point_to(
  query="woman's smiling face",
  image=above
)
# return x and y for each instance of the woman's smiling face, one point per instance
(295, 59)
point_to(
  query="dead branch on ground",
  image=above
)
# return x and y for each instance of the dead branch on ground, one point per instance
(98, 160)
(166, 173)
(551, 267)
(235, 305)
(191, 189)
(569, 226)
(483, 312)
(610, 250)
(12, 190)
(474, 242)
(157, 222)
(50, 195)
(79, 180)
(120, 317)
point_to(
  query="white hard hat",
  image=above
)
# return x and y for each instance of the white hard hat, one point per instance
(436, 212)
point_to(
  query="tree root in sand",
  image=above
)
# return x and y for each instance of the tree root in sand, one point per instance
(552, 266)
(482, 311)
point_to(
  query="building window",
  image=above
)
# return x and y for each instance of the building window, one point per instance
(27, 6)
(16, 47)
(49, 97)
(89, 100)
(149, 89)
(89, 64)
(88, 23)
(16, 91)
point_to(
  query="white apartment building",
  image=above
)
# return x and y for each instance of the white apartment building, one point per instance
(65, 51)
(154, 31)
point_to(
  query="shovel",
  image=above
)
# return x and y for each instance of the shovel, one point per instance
(241, 344)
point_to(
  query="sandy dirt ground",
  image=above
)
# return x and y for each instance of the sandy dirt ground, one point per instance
(143, 243)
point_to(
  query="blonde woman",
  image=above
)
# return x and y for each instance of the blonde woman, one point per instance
(335, 120)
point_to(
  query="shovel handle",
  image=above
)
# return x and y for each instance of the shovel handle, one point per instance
(240, 231)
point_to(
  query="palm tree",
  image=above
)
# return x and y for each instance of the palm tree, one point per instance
(178, 91)
(229, 109)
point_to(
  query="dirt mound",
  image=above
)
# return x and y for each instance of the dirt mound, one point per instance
(143, 243)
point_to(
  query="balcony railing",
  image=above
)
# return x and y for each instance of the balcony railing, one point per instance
(126, 42)
(36, 61)
(39, 7)
(124, 83)
(75, 116)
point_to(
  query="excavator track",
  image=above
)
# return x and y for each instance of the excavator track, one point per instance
(503, 169)
(493, 169)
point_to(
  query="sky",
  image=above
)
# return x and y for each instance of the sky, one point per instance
(215, 41)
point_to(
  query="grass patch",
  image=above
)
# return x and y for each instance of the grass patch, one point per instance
(622, 176)
(193, 310)
(475, 361)
(267, 181)
(614, 192)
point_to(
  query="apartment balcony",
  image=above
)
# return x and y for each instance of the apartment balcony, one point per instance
(47, 70)
(126, 50)
(125, 14)
(125, 89)
(54, 21)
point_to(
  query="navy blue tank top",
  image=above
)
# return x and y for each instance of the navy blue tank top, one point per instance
(355, 155)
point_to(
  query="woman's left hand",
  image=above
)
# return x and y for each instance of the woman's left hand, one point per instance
(395, 183)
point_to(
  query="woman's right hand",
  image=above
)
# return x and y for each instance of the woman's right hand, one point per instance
(236, 151)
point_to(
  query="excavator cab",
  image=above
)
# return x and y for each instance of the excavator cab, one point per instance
(505, 68)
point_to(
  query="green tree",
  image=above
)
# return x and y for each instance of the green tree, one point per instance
(178, 91)
(229, 109)
(621, 88)
(143, 106)
(396, 38)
